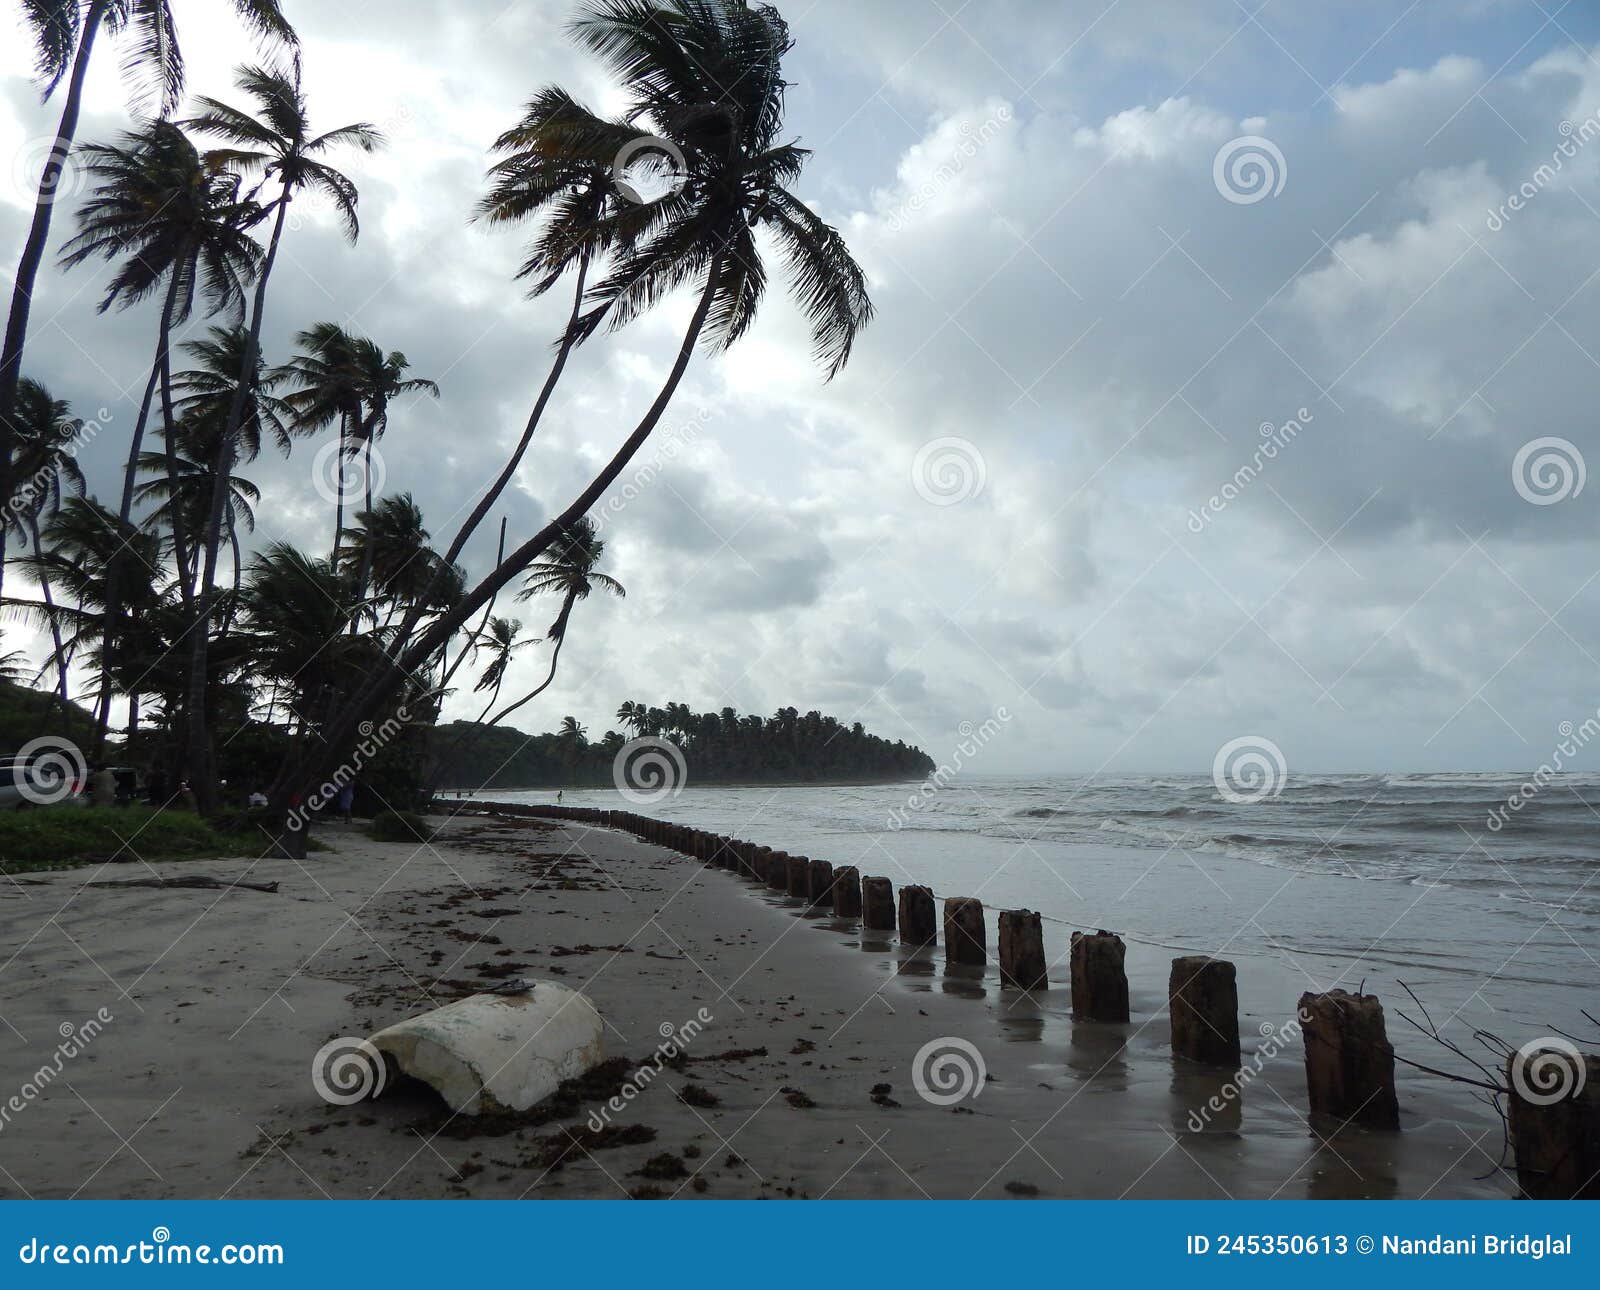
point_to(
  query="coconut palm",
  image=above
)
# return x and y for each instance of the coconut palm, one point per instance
(180, 227)
(706, 76)
(572, 572)
(632, 714)
(185, 500)
(64, 34)
(46, 471)
(388, 548)
(82, 542)
(206, 390)
(275, 144)
(501, 640)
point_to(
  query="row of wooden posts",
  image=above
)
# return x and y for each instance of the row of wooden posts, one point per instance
(1349, 1061)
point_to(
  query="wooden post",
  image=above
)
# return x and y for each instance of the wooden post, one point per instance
(1203, 997)
(819, 884)
(1349, 1061)
(965, 938)
(1099, 980)
(877, 904)
(1022, 950)
(1555, 1122)
(917, 926)
(777, 866)
(799, 873)
(847, 892)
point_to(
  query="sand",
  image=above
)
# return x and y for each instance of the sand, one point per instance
(199, 1084)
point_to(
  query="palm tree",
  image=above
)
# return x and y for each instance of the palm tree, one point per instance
(380, 379)
(501, 638)
(185, 500)
(349, 379)
(705, 75)
(82, 543)
(46, 461)
(277, 145)
(180, 226)
(388, 548)
(64, 33)
(632, 714)
(572, 572)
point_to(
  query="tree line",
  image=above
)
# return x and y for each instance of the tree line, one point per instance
(154, 594)
(717, 747)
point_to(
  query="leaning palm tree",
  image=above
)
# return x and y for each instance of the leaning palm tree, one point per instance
(179, 226)
(64, 33)
(571, 571)
(706, 76)
(501, 639)
(47, 468)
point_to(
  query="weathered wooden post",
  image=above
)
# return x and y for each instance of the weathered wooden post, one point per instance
(777, 865)
(799, 872)
(1203, 998)
(965, 938)
(1022, 950)
(1349, 1060)
(877, 904)
(819, 884)
(917, 925)
(1555, 1121)
(1099, 980)
(847, 892)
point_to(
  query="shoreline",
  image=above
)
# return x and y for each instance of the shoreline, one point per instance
(220, 1001)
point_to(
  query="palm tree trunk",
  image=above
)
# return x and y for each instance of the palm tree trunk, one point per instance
(130, 474)
(555, 657)
(384, 681)
(33, 249)
(338, 508)
(447, 672)
(50, 612)
(552, 378)
(202, 769)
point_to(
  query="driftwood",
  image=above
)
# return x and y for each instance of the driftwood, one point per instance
(199, 881)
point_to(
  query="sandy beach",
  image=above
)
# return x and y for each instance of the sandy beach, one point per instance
(800, 1084)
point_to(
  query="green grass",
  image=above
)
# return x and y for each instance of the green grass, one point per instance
(65, 837)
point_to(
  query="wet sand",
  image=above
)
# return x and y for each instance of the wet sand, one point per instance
(200, 1083)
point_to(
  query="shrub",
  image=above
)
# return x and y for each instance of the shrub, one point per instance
(399, 826)
(63, 837)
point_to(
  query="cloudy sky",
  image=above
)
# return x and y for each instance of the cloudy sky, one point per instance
(1209, 348)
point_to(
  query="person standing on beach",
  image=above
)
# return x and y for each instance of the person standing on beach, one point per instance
(558, 797)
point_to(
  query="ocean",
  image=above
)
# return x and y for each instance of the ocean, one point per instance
(1381, 881)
